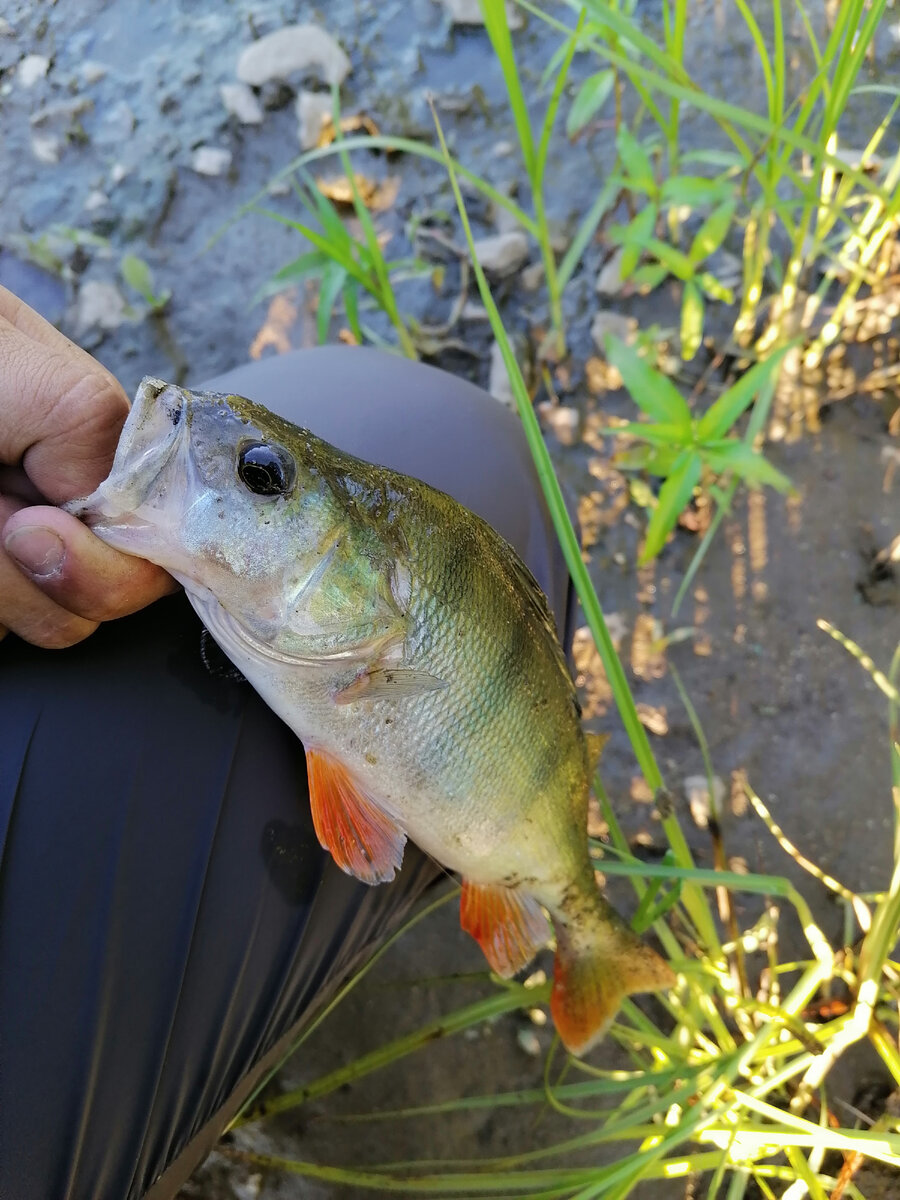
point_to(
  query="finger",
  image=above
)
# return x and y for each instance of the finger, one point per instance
(77, 570)
(27, 611)
(60, 413)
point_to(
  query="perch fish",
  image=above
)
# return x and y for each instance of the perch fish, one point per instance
(411, 651)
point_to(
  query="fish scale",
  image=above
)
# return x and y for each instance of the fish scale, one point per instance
(412, 652)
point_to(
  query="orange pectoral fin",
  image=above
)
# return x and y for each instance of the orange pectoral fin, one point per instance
(508, 925)
(361, 838)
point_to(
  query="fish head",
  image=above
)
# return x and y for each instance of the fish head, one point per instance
(222, 494)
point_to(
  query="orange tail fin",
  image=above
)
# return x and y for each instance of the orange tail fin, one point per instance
(590, 983)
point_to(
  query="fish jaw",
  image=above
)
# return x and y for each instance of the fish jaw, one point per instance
(136, 509)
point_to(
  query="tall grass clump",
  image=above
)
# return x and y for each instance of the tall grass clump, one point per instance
(724, 1087)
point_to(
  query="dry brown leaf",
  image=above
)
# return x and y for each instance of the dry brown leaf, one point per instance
(351, 124)
(601, 376)
(377, 196)
(654, 719)
(280, 318)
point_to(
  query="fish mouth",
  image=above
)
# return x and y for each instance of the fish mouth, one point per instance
(132, 499)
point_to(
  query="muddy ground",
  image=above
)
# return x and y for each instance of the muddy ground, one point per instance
(99, 159)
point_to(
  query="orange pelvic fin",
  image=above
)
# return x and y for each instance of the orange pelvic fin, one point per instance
(589, 985)
(508, 925)
(361, 838)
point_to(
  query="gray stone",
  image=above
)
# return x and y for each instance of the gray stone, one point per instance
(211, 160)
(313, 110)
(293, 50)
(696, 788)
(606, 321)
(468, 12)
(47, 147)
(93, 72)
(98, 305)
(609, 279)
(498, 383)
(503, 253)
(32, 68)
(95, 200)
(533, 277)
(240, 101)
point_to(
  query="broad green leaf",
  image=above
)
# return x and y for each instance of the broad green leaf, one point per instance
(651, 391)
(634, 237)
(591, 97)
(655, 460)
(673, 498)
(657, 433)
(649, 276)
(138, 275)
(636, 162)
(748, 465)
(678, 263)
(695, 190)
(712, 232)
(691, 320)
(333, 278)
(719, 418)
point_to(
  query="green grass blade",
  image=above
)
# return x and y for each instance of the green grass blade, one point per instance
(673, 498)
(651, 391)
(718, 419)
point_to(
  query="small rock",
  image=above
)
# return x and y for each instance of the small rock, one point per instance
(564, 421)
(6, 30)
(93, 72)
(117, 172)
(211, 160)
(606, 321)
(98, 305)
(95, 200)
(696, 788)
(498, 382)
(47, 147)
(279, 187)
(473, 312)
(529, 1042)
(609, 280)
(117, 125)
(241, 103)
(726, 267)
(313, 110)
(503, 253)
(32, 68)
(532, 277)
(468, 12)
(294, 49)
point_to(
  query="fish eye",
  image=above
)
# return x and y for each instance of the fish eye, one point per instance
(266, 470)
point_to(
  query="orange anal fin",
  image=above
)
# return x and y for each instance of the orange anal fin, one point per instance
(508, 925)
(361, 838)
(589, 986)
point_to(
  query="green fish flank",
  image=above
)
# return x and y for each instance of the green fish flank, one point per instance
(412, 652)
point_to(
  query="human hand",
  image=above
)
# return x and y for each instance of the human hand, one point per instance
(61, 413)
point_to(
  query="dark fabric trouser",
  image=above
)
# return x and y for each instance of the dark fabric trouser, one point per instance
(168, 922)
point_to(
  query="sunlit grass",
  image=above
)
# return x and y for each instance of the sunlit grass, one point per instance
(724, 1073)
